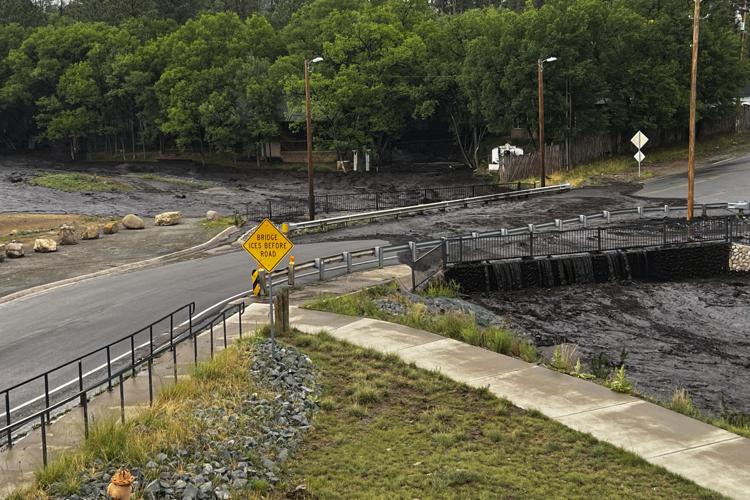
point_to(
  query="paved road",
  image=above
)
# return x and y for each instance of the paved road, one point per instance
(45, 330)
(727, 180)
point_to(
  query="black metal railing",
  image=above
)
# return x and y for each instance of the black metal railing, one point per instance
(593, 239)
(381, 200)
(40, 407)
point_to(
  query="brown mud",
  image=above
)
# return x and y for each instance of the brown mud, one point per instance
(693, 335)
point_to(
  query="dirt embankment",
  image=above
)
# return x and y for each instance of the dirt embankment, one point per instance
(692, 335)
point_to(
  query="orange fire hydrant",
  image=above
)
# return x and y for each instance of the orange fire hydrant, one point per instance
(121, 485)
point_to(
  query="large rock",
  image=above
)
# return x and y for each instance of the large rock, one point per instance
(67, 235)
(168, 218)
(131, 221)
(45, 245)
(14, 250)
(212, 215)
(111, 227)
(91, 232)
(2, 253)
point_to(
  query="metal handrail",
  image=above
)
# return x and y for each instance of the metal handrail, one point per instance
(85, 387)
(377, 214)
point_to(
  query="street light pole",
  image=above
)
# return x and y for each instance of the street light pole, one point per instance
(308, 111)
(540, 92)
(693, 103)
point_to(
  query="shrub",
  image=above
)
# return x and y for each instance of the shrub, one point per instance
(619, 382)
(601, 366)
(441, 288)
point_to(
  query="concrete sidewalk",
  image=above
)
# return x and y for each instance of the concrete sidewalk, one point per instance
(711, 457)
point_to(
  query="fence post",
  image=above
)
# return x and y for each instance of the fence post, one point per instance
(640, 212)
(348, 261)
(270, 210)
(475, 237)
(473, 191)
(666, 210)
(44, 443)
(327, 206)
(377, 201)
(531, 244)
(558, 224)
(413, 248)
(599, 238)
(379, 256)
(444, 250)
(608, 216)
(584, 220)
(664, 230)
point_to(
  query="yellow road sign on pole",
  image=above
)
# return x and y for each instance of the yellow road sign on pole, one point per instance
(268, 245)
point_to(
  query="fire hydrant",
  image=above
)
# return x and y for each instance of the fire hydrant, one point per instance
(121, 485)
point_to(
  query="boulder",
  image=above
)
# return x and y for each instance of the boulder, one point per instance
(131, 221)
(67, 235)
(14, 250)
(2, 253)
(45, 245)
(168, 218)
(91, 232)
(111, 227)
(212, 215)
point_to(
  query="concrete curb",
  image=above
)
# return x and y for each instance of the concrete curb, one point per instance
(29, 292)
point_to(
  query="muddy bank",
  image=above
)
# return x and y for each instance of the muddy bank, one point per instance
(694, 335)
(497, 215)
(195, 189)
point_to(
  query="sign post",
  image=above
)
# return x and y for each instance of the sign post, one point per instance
(639, 140)
(268, 246)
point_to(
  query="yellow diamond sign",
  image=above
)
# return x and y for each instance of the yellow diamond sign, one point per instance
(268, 245)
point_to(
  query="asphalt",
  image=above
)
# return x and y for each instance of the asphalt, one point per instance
(45, 330)
(726, 180)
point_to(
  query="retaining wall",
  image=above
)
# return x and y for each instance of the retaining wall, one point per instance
(654, 264)
(739, 261)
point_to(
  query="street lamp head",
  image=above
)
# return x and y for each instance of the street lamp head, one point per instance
(551, 59)
(317, 60)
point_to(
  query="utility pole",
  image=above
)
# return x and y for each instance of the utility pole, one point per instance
(743, 35)
(540, 91)
(308, 110)
(693, 99)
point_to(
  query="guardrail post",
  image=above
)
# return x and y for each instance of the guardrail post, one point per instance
(379, 256)
(413, 248)
(584, 220)
(608, 216)
(504, 232)
(666, 210)
(7, 419)
(639, 210)
(290, 274)
(704, 211)
(558, 224)
(348, 261)
(532, 228)
(475, 237)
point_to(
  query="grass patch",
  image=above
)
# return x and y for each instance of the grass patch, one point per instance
(455, 325)
(167, 425)
(429, 437)
(26, 227)
(80, 183)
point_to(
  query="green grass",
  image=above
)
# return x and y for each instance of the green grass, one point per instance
(455, 325)
(168, 423)
(222, 222)
(78, 182)
(625, 169)
(425, 436)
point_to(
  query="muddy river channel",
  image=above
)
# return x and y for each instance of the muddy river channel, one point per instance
(693, 335)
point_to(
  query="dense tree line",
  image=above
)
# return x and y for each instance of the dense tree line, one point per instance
(225, 75)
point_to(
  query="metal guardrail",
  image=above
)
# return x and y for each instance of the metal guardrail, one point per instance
(583, 240)
(379, 200)
(109, 374)
(442, 205)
